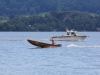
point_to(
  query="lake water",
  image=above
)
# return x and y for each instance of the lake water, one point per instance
(18, 57)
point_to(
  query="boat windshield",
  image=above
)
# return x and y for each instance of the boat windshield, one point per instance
(71, 33)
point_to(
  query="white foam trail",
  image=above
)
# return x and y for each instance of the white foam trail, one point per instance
(76, 46)
(72, 45)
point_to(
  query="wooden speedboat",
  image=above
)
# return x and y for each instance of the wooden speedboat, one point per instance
(43, 45)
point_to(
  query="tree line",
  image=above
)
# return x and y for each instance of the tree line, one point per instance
(53, 21)
(29, 7)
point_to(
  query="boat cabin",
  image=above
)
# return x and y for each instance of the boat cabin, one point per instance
(71, 33)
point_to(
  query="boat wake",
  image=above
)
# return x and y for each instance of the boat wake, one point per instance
(85, 46)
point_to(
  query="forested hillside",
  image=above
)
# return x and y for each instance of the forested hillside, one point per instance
(12, 12)
(53, 22)
(27, 7)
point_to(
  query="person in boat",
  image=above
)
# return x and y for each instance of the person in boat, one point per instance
(53, 43)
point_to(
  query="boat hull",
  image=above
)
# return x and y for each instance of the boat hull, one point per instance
(68, 38)
(42, 45)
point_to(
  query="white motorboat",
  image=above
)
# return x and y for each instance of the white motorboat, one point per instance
(71, 36)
